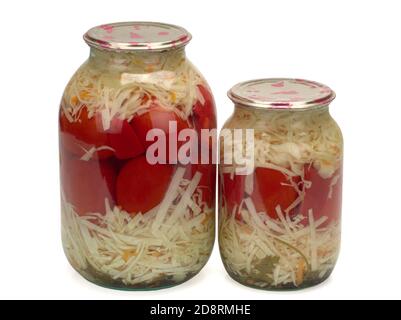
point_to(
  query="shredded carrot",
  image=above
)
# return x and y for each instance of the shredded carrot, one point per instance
(300, 271)
(173, 96)
(128, 254)
(74, 101)
(84, 94)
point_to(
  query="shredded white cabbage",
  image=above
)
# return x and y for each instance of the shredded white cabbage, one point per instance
(246, 244)
(124, 248)
(290, 140)
(171, 80)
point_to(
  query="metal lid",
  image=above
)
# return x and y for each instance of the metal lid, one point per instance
(281, 93)
(133, 36)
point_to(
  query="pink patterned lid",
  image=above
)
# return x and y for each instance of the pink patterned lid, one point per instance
(129, 36)
(281, 93)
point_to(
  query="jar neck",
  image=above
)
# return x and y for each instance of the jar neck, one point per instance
(137, 61)
(245, 111)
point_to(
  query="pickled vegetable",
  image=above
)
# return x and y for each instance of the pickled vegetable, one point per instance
(126, 222)
(279, 226)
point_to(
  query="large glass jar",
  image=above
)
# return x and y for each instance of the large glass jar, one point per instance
(138, 201)
(280, 184)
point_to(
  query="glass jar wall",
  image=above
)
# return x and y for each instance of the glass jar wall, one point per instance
(279, 214)
(137, 211)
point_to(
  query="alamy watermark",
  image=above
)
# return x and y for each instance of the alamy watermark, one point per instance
(189, 146)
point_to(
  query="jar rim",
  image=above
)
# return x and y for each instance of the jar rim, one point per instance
(281, 93)
(137, 36)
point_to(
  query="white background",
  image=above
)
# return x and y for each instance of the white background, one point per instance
(352, 46)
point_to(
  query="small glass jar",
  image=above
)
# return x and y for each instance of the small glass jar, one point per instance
(137, 211)
(280, 185)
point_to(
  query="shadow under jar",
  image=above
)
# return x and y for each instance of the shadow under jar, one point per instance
(137, 213)
(280, 194)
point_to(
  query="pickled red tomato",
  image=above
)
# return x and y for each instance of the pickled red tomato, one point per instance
(233, 191)
(273, 188)
(86, 133)
(142, 186)
(204, 115)
(123, 139)
(158, 118)
(207, 182)
(323, 196)
(83, 134)
(86, 184)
